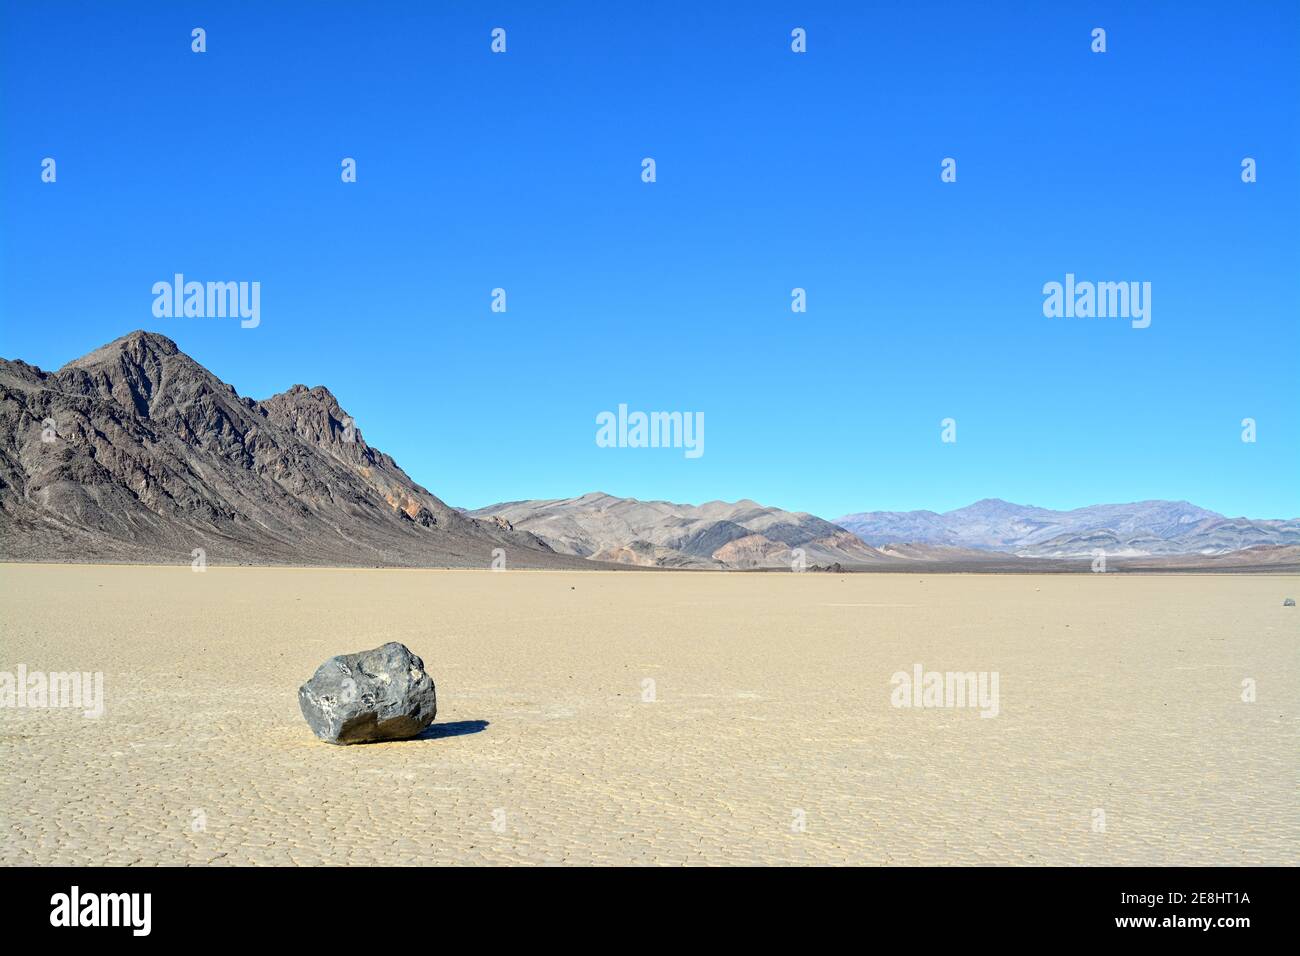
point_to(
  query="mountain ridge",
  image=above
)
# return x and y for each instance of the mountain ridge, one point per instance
(1143, 528)
(716, 534)
(135, 451)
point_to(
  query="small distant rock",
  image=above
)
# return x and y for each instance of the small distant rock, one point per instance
(380, 694)
(1289, 602)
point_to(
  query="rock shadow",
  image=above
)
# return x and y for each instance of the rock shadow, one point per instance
(458, 728)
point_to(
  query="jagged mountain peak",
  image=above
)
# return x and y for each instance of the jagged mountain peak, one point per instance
(314, 414)
(153, 455)
(149, 373)
(317, 393)
(138, 347)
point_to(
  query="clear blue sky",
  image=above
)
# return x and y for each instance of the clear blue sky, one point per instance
(775, 170)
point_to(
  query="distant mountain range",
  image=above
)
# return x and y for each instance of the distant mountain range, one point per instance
(136, 452)
(1139, 529)
(986, 535)
(717, 534)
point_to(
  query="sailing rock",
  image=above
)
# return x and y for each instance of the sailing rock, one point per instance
(380, 694)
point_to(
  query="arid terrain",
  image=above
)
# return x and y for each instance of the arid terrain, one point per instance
(134, 453)
(658, 718)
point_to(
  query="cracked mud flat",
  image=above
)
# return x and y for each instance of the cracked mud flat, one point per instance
(1119, 693)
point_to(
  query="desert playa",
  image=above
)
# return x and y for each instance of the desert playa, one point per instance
(657, 718)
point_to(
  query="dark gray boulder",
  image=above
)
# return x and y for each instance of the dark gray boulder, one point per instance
(381, 694)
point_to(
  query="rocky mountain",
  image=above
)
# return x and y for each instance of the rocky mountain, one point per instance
(136, 452)
(1138, 529)
(719, 534)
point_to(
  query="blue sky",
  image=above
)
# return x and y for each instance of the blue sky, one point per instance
(775, 170)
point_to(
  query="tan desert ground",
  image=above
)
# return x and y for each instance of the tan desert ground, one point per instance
(766, 736)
